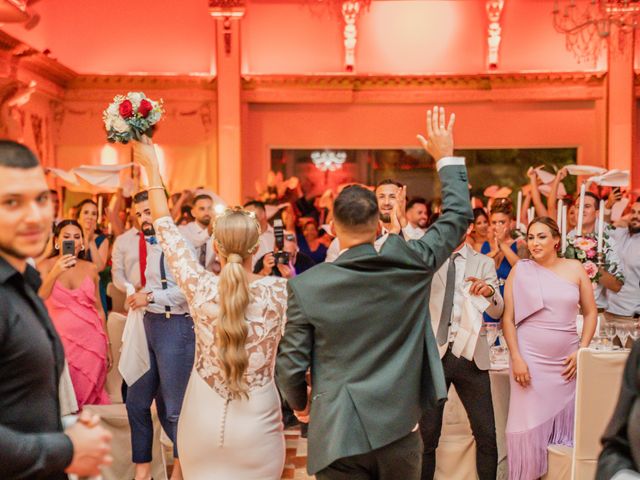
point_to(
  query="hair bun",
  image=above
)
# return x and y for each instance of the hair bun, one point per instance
(234, 258)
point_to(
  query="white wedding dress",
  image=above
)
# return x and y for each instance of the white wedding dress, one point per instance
(239, 439)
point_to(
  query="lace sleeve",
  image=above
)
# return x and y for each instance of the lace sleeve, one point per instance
(280, 298)
(180, 258)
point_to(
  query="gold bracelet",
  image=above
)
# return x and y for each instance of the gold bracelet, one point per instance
(155, 188)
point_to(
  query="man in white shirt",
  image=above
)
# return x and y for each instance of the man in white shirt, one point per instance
(198, 232)
(417, 218)
(387, 196)
(624, 306)
(611, 274)
(470, 376)
(267, 240)
(125, 259)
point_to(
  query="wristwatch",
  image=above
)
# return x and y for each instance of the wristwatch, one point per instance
(150, 297)
(493, 291)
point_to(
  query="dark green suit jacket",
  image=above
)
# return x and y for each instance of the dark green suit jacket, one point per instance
(362, 324)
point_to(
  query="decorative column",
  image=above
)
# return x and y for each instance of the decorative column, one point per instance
(350, 11)
(494, 32)
(228, 15)
(621, 105)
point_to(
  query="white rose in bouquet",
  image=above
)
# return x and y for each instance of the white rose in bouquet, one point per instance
(120, 125)
(135, 98)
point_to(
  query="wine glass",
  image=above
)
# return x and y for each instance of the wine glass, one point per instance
(610, 333)
(622, 331)
(492, 332)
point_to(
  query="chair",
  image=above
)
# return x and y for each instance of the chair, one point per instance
(456, 452)
(115, 327)
(114, 418)
(598, 384)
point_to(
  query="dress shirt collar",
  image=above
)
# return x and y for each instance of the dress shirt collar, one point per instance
(30, 276)
(463, 252)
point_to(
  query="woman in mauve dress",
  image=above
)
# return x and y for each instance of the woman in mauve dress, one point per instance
(541, 303)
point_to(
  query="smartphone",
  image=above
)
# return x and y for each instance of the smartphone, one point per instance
(68, 247)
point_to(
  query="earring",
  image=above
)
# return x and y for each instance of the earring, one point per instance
(56, 246)
(82, 247)
(557, 246)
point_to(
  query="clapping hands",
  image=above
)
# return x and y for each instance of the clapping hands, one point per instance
(439, 141)
(399, 215)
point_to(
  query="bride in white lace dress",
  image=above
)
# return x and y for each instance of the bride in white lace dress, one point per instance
(230, 426)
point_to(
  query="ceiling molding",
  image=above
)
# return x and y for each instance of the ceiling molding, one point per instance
(480, 81)
(24, 63)
(345, 88)
(159, 82)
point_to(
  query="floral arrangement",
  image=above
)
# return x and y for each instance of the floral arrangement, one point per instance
(584, 249)
(129, 117)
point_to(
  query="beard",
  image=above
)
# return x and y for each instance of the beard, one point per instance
(147, 229)
(385, 217)
(634, 229)
(11, 251)
(206, 221)
(423, 223)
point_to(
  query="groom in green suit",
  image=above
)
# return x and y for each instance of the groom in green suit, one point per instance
(362, 325)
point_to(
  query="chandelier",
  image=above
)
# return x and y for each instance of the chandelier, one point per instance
(328, 161)
(587, 27)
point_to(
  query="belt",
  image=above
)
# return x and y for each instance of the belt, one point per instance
(167, 315)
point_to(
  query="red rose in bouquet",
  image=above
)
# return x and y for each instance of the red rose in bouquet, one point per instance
(126, 109)
(144, 108)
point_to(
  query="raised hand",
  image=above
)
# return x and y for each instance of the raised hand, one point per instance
(145, 154)
(562, 173)
(439, 141)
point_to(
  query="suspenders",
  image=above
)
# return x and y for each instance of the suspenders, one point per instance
(163, 279)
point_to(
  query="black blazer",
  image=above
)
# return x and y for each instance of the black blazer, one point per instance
(621, 441)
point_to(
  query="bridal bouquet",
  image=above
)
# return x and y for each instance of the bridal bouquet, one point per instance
(584, 249)
(129, 117)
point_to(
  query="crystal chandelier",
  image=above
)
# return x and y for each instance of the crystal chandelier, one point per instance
(587, 26)
(328, 161)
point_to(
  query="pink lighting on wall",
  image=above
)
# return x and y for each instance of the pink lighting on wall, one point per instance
(108, 155)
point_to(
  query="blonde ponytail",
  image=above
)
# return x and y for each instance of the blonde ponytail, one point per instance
(236, 235)
(233, 288)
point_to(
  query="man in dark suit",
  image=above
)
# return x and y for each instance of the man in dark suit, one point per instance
(32, 442)
(362, 325)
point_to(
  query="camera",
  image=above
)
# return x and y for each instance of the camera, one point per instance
(280, 257)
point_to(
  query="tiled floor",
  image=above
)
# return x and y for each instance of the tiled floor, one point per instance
(295, 464)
